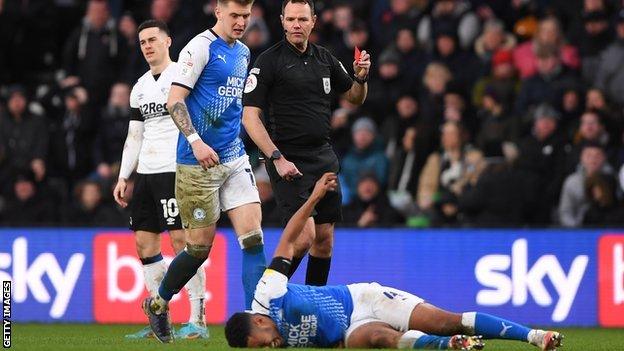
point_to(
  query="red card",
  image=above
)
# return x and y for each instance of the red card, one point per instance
(357, 54)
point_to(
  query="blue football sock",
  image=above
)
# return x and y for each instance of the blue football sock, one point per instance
(254, 264)
(181, 270)
(492, 327)
(432, 342)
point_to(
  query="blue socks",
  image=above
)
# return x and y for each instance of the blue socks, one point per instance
(432, 342)
(254, 264)
(492, 327)
(181, 270)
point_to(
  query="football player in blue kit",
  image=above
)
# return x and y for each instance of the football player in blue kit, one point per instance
(213, 173)
(364, 315)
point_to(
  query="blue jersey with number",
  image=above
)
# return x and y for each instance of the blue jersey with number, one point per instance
(214, 72)
(305, 315)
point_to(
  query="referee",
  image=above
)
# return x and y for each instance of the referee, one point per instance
(294, 82)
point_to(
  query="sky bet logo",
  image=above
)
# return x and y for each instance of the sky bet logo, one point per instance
(118, 282)
(524, 280)
(28, 274)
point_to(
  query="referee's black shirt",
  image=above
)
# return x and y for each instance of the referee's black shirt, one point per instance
(295, 91)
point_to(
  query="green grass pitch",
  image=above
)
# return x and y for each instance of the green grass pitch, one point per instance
(65, 337)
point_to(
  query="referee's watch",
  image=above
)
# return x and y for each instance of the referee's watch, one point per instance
(276, 155)
(360, 80)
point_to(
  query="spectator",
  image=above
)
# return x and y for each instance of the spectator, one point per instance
(169, 12)
(366, 155)
(548, 84)
(385, 89)
(28, 204)
(595, 38)
(542, 157)
(548, 35)
(371, 207)
(96, 52)
(431, 98)
(604, 207)
(112, 130)
(442, 169)
(413, 59)
(501, 81)
(341, 121)
(71, 139)
(498, 197)
(390, 16)
(463, 64)
(89, 208)
(454, 15)
(610, 72)
(24, 138)
(591, 130)
(257, 36)
(492, 40)
(496, 126)
(574, 203)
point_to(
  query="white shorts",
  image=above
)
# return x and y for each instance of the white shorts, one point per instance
(239, 187)
(203, 194)
(375, 303)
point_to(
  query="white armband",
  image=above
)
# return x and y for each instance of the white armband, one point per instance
(191, 138)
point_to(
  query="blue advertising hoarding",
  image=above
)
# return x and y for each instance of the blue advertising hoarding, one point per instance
(538, 277)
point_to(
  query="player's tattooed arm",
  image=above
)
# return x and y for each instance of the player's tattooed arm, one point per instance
(181, 118)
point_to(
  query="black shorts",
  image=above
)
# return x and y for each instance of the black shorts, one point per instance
(153, 206)
(290, 195)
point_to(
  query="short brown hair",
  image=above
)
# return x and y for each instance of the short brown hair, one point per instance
(240, 2)
(309, 2)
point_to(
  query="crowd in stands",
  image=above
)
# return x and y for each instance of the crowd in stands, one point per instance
(479, 113)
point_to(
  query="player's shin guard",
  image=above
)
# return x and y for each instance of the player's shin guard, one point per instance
(154, 269)
(492, 327)
(254, 262)
(182, 268)
(318, 270)
(196, 288)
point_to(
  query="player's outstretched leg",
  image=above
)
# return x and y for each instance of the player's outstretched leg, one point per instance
(492, 327)
(415, 339)
(196, 326)
(373, 335)
(432, 320)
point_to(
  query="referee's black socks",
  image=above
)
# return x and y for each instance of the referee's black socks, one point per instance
(318, 270)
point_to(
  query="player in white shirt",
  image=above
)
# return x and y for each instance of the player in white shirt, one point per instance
(151, 143)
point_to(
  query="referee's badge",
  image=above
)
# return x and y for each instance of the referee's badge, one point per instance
(326, 85)
(251, 83)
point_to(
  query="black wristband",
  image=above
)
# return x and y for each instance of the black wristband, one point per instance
(360, 80)
(281, 264)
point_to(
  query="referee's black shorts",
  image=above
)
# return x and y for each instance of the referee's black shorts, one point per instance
(153, 207)
(290, 195)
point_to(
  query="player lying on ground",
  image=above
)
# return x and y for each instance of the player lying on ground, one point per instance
(358, 315)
